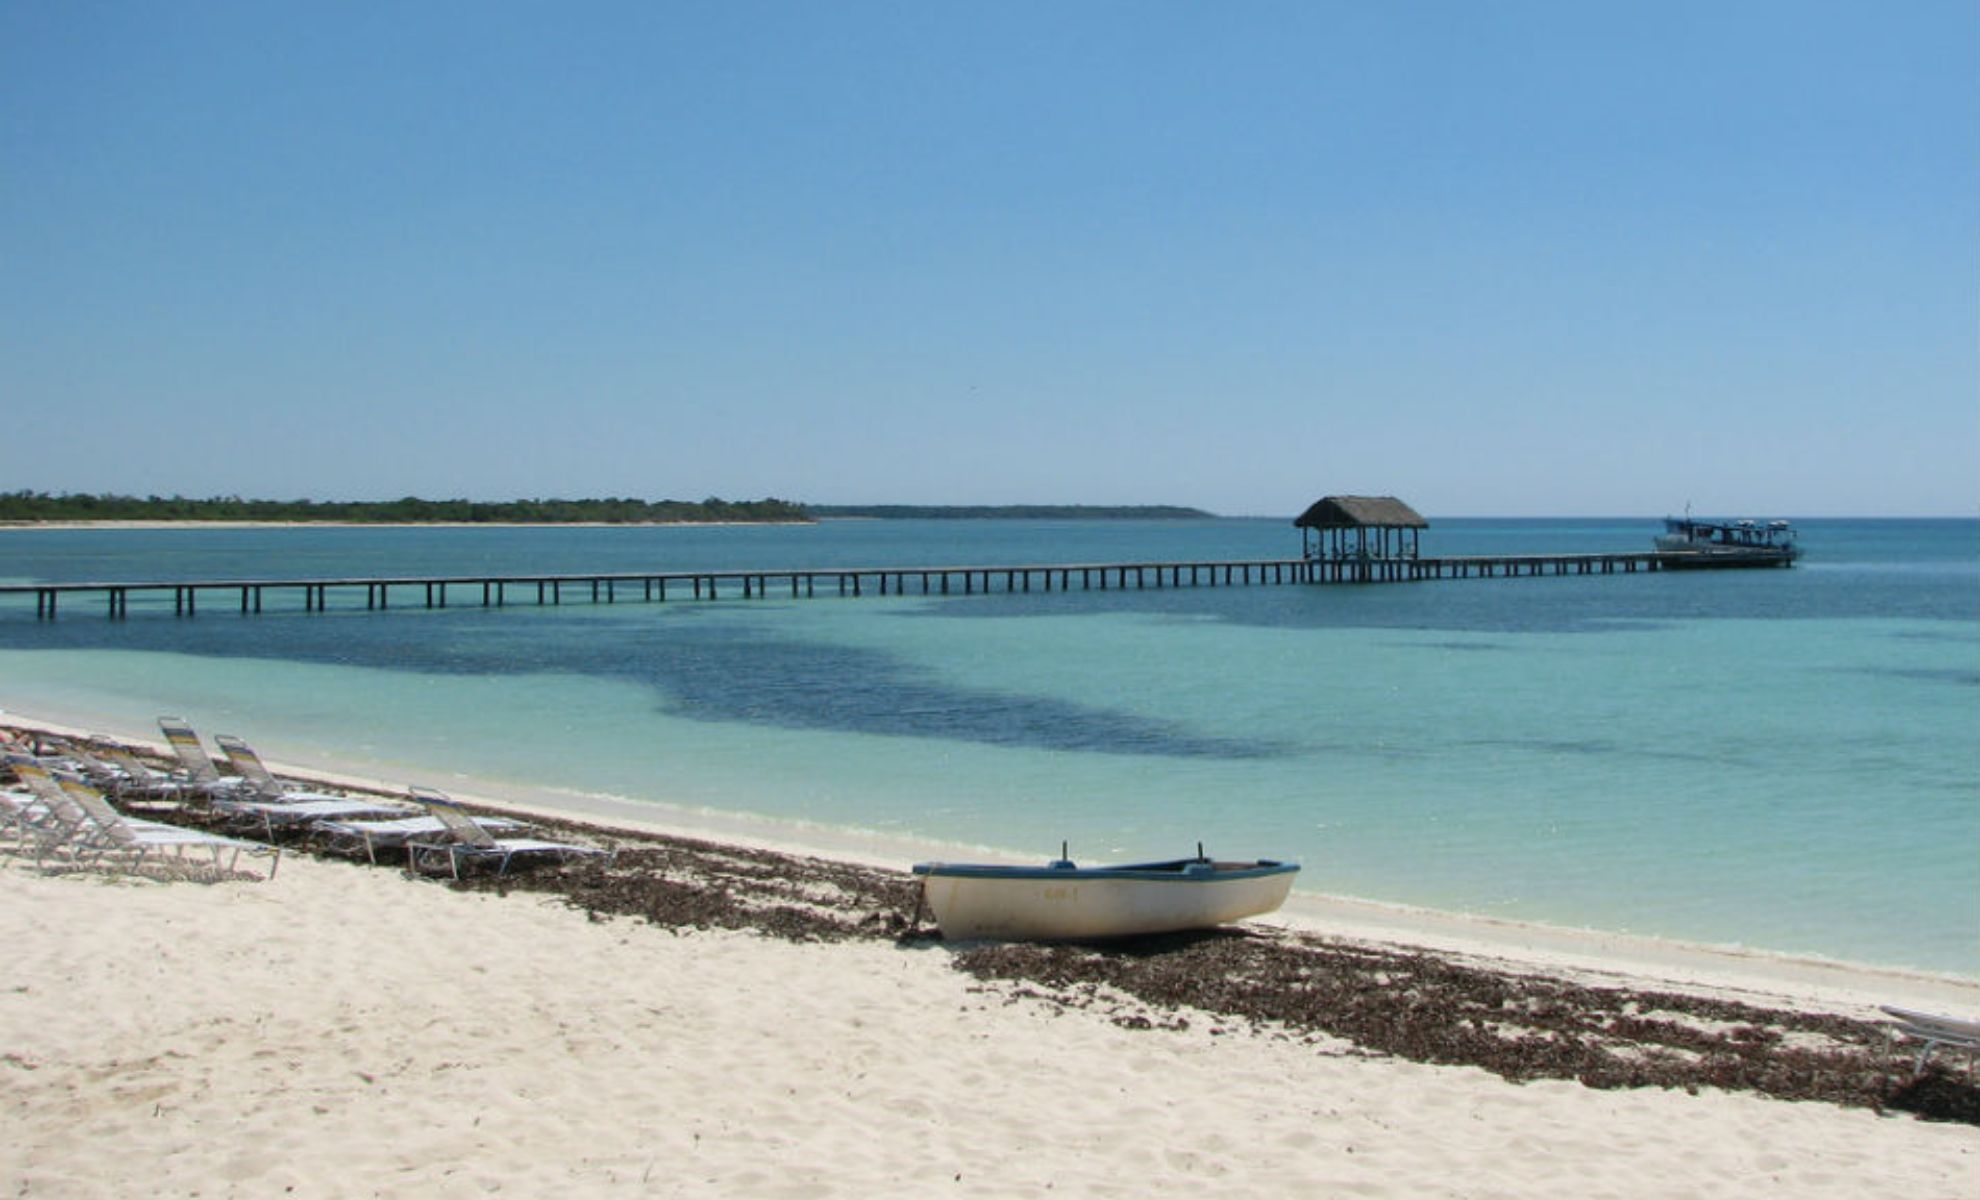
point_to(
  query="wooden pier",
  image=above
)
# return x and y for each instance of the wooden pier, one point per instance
(497, 591)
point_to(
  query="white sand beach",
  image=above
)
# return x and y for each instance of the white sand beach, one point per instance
(341, 1031)
(346, 1031)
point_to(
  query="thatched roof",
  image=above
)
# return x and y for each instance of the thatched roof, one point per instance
(1354, 512)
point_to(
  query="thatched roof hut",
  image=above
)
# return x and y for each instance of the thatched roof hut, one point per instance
(1360, 527)
(1355, 512)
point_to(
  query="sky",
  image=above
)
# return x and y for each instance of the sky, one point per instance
(1519, 258)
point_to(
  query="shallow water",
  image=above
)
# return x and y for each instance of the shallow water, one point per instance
(1780, 759)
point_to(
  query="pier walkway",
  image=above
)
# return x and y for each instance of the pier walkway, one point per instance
(497, 591)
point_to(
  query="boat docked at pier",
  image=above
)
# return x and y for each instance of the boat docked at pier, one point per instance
(1062, 901)
(1694, 543)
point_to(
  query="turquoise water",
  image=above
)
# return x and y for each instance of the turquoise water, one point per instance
(1786, 760)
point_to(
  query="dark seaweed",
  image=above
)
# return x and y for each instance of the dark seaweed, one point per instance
(1341, 996)
(1412, 1004)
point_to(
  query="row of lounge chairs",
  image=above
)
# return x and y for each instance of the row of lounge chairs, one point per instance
(59, 816)
(66, 809)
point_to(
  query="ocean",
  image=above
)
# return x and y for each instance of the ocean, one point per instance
(1787, 761)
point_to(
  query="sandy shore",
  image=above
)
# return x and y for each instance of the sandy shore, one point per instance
(344, 1031)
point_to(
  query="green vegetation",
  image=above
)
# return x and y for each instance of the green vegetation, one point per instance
(27, 506)
(42, 506)
(1022, 512)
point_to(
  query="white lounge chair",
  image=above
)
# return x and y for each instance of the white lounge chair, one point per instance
(57, 754)
(61, 822)
(273, 814)
(101, 774)
(109, 831)
(203, 778)
(394, 835)
(26, 818)
(49, 806)
(38, 813)
(140, 781)
(267, 801)
(1936, 1031)
(248, 765)
(122, 778)
(467, 840)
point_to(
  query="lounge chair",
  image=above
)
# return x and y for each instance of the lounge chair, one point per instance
(202, 777)
(248, 765)
(466, 840)
(110, 832)
(34, 829)
(29, 820)
(122, 777)
(140, 781)
(74, 818)
(264, 799)
(1936, 1031)
(92, 768)
(47, 794)
(273, 814)
(394, 835)
(55, 820)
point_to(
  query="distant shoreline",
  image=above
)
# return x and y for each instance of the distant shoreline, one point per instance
(1016, 512)
(42, 507)
(204, 523)
(1008, 512)
(37, 510)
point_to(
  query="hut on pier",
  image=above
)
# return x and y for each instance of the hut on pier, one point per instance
(1341, 528)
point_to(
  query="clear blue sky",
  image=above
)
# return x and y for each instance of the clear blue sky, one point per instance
(1494, 258)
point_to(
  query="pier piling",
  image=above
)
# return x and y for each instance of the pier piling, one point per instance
(885, 581)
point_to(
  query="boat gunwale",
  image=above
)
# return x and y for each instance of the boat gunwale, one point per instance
(1174, 871)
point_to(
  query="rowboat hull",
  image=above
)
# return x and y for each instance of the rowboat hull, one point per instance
(1062, 902)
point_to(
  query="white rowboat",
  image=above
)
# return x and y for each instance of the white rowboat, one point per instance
(1064, 902)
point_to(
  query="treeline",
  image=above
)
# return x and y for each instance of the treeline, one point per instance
(1021, 512)
(44, 506)
(29, 506)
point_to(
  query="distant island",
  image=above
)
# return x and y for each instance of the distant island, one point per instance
(1015, 512)
(30, 508)
(36, 507)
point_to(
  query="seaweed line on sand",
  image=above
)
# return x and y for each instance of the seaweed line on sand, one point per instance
(1425, 1007)
(1416, 1005)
